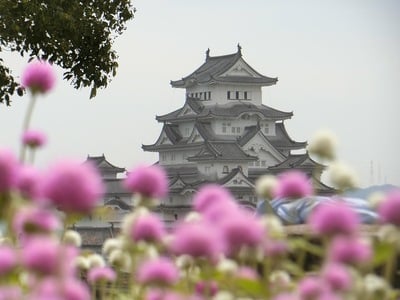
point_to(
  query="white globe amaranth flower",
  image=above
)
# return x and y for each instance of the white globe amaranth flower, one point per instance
(95, 260)
(112, 244)
(265, 186)
(72, 237)
(81, 262)
(280, 278)
(323, 144)
(273, 226)
(375, 199)
(193, 217)
(342, 176)
(227, 266)
(223, 295)
(184, 261)
(390, 234)
(376, 287)
(120, 259)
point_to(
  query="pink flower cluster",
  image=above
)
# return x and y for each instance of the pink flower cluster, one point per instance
(69, 185)
(34, 138)
(293, 184)
(39, 77)
(148, 181)
(73, 186)
(224, 228)
(160, 271)
(332, 218)
(389, 209)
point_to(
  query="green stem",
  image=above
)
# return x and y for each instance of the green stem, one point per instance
(27, 121)
(390, 266)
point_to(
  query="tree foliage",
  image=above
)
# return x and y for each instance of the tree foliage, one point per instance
(77, 35)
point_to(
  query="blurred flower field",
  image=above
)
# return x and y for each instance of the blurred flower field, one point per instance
(220, 251)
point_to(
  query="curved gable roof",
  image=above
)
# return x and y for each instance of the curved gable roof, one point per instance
(215, 66)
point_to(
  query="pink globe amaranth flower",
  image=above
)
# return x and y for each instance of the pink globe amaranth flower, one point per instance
(164, 295)
(309, 288)
(33, 220)
(53, 288)
(210, 195)
(246, 273)
(159, 271)
(41, 255)
(74, 289)
(218, 212)
(73, 187)
(34, 138)
(333, 217)
(198, 239)
(337, 276)
(148, 228)
(101, 274)
(39, 77)
(286, 296)
(241, 229)
(10, 292)
(293, 184)
(29, 183)
(275, 248)
(8, 259)
(8, 170)
(206, 288)
(389, 209)
(149, 181)
(349, 250)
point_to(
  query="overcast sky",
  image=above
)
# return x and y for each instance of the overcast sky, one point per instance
(338, 64)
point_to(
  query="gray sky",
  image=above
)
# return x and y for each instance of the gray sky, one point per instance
(338, 64)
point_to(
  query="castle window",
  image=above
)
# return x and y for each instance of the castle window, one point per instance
(228, 94)
(266, 128)
(237, 95)
(172, 156)
(208, 95)
(224, 127)
(263, 163)
(225, 170)
(163, 156)
(233, 129)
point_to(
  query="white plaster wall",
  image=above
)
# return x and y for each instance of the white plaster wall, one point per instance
(219, 93)
(216, 169)
(265, 159)
(186, 128)
(216, 125)
(176, 157)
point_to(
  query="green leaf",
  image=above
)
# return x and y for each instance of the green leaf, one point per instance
(381, 253)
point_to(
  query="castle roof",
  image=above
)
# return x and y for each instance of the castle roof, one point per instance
(282, 140)
(230, 110)
(103, 165)
(297, 161)
(215, 68)
(217, 151)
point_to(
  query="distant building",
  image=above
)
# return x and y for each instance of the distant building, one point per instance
(224, 134)
(116, 203)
